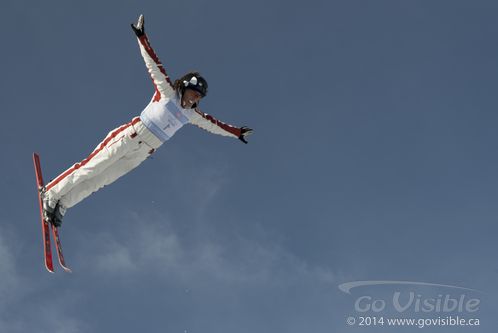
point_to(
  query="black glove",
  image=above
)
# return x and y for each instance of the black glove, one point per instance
(139, 28)
(244, 132)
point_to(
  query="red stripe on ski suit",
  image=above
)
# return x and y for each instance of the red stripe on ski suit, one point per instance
(229, 128)
(144, 40)
(92, 155)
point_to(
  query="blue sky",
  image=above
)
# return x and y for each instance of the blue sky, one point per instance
(373, 158)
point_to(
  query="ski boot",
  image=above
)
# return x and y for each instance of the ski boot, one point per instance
(49, 208)
(59, 213)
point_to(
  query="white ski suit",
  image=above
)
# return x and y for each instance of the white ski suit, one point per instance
(125, 147)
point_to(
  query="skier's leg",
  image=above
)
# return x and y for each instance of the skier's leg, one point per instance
(116, 144)
(121, 167)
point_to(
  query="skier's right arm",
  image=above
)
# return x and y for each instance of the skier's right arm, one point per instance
(162, 83)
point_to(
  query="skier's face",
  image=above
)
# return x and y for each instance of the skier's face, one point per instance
(190, 97)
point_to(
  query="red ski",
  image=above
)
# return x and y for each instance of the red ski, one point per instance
(47, 250)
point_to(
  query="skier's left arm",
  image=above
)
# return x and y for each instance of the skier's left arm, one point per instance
(210, 124)
(161, 80)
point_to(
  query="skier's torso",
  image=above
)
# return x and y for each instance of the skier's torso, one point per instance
(165, 116)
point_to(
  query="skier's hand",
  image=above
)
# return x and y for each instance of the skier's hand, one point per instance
(139, 28)
(245, 132)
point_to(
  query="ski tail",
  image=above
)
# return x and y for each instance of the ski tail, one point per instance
(58, 246)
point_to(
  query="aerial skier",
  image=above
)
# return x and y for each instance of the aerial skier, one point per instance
(124, 148)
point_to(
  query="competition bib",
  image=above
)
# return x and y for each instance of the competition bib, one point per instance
(164, 118)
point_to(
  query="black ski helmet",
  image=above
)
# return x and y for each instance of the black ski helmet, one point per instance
(195, 82)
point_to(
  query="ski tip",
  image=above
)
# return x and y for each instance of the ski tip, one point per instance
(50, 270)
